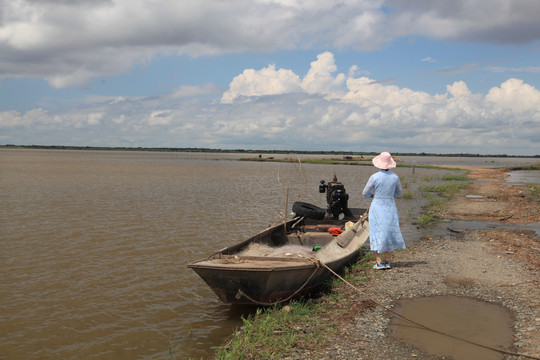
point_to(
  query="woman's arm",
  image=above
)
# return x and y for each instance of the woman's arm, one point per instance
(398, 190)
(368, 189)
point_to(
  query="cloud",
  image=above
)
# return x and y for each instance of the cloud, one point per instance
(460, 69)
(526, 69)
(69, 43)
(516, 96)
(195, 90)
(160, 117)
(277, 109)
(267, 81)
(496, 21)
(319, 79)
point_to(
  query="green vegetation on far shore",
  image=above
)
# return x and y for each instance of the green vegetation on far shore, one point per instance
(247, 151)
(523, 167)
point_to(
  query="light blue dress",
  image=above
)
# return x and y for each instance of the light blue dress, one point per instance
(384, 232)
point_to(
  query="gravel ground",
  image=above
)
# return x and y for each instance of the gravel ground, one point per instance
(466, 266)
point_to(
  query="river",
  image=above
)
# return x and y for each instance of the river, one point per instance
(94, 245)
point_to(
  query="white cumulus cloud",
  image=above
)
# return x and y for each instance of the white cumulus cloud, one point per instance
(267, 81)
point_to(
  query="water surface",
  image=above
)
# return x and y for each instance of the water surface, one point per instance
(94, 245)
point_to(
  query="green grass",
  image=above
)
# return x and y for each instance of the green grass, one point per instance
(447, 190)
(456, 178)
(523, 167)
(439, 195)
(534, 192)
(426, 220)
(272, 332)
(407, 195)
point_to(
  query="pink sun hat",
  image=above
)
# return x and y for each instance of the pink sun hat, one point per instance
(384, 161)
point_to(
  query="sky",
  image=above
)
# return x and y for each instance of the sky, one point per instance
(432, 76)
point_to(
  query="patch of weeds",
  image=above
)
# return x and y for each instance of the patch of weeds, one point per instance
(523, 167)
(534, 191)
(332, 282)
(334, 297)
(363, 268)
(448, 190)
(409, 211)
(455, 178)
(407, 195)
(440, 195)
(272, 332)
(428, 195)
(426, 220)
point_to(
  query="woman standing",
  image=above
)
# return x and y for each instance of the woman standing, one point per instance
(384, 233)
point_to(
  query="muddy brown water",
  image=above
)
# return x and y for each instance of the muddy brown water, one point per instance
(476, 321)
(94, 245)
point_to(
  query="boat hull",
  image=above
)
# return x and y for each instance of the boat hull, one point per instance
(266, 280)
(268, 285)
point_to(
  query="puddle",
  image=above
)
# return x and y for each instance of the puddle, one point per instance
(459, 226)
(523, 177)
(475, 196)
(474, 320)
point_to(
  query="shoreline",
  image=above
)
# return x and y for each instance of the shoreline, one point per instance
(259, 152)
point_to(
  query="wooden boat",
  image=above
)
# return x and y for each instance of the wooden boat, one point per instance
(280, 263)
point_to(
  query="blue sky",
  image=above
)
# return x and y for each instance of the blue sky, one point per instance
(365, 75)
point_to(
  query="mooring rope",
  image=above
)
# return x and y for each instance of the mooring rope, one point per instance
(315, 262)
(424, 326)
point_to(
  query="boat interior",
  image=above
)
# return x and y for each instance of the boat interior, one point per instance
(300, 232)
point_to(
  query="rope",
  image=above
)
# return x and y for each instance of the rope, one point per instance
(240, 293)
(427, 327)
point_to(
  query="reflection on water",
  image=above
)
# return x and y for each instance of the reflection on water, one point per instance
(474, 321)
(524, 177)
(94, 246)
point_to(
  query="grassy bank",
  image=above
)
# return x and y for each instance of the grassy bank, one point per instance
(273, 332)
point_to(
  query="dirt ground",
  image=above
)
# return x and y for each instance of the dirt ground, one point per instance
(493, 200)
(496, 201)
(499, 264)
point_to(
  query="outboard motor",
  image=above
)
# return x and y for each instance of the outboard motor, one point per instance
(336, 197)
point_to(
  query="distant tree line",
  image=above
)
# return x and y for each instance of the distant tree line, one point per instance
(265, 151)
